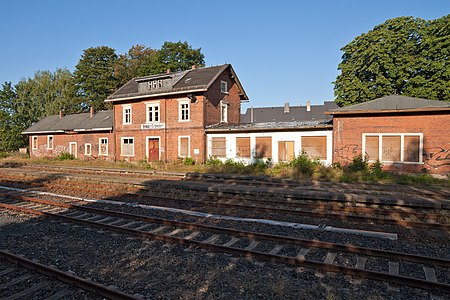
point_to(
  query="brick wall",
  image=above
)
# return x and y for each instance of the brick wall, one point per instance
(61, 144)
(435, 127)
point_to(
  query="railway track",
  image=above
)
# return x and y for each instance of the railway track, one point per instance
(22, 278)
(281, 249)
(366, 215)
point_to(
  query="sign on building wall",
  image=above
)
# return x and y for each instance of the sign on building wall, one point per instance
(153, 126)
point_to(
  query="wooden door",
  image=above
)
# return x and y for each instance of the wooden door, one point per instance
(153, 149)
(285, 151)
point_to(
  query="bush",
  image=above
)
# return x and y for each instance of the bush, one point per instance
(214, 161)
(304, 164)
(188, 161)
(3, 155)
(65, 156)
(358, 164)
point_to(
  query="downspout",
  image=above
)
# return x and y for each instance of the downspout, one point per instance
(114, 134)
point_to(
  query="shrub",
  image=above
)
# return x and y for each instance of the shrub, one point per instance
(3, 155)
(304, 164)
(358, 164)
(188, 161)
(65, 156)
(214, 161)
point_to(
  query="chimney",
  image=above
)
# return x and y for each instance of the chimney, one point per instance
(91, 111)
(286, 107)
(61, 114)
(193, 67)
(308, 105)
(168, 71)
(251, 114)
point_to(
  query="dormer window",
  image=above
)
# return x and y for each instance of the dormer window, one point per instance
(224, 87)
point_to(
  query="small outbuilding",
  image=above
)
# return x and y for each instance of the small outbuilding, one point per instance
(405, 134)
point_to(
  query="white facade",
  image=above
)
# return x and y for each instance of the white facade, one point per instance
(291, 136)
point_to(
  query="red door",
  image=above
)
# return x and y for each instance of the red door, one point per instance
(153, 149)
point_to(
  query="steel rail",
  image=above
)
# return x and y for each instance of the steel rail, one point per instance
(249, 234)
(67, 277)
(325, 267)
(316, 214)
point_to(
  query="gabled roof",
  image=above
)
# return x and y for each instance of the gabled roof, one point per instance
(194, 80)
(295, 114)
(393, 103)
(100, 121)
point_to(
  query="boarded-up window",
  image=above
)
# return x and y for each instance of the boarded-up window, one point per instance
(391, 148)
(243, 147)
(103, 146)
(183, 147)
(372, 147)
(128, 146)
(263, 147)
(218, 147)
(285, 151)
(315, 146)
(411, 148)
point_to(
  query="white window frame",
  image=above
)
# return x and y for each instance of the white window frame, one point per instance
(100, 147)
(48, 142)
(124, 118)
(121, 146)
(179, 145)
(223, 117)
(152, 105)
(76, 149)
(34, 145)
(180, 104)
(402, 147)
(224, 87)
(86, 148)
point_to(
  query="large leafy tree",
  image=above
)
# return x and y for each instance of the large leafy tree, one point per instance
(32, 99)
(178, 56)
(94, 75)
(401, 56)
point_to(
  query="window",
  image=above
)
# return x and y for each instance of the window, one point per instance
(218, 147)
(153, 113)
(34, 142)
(263, 147)
(50, 142)
(393, 147)
(183, 114)
(183, 146)
(87, 149)
(127, 146)
(315, 146)
(127, 114)
(243, 147)
(223, 87)
(103, 146)
(223, 112)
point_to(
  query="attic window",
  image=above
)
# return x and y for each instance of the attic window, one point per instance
(223, 87)
(188, 80)
(155, 84)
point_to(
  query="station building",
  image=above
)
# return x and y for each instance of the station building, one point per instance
(197, 114)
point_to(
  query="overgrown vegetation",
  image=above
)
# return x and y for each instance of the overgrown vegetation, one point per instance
(301, 168)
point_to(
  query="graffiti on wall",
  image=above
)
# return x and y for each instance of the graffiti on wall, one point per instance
(437, 157)
(347, 152)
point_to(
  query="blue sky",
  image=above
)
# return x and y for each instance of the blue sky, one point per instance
(281, 50)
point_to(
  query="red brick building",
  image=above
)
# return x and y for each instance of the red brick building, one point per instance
(164, 117)
(405, 134)
(85, 136)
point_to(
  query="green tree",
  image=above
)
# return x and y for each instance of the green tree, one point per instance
(178, 56)
(95, 77)
(139, 61)
(10, 138)
(401, 56)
